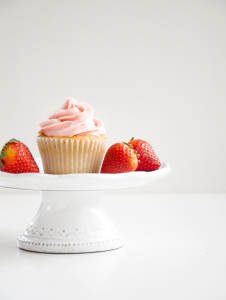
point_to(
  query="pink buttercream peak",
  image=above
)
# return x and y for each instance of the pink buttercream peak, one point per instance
(73, 119)
(70, 103)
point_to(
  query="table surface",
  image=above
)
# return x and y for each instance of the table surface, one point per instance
(175, 249)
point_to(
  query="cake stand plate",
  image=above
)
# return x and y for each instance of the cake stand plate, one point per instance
(71, 218)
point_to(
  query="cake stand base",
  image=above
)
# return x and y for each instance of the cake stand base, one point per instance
(71, 218)
(71, 222)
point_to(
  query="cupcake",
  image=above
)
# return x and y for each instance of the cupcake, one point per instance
(72, 140)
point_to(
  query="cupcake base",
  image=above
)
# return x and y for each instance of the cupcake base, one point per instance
(68, 155)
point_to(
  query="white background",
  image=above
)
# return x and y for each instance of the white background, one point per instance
(155, 70)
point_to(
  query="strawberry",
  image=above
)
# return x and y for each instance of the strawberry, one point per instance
(148, 159)
(15, 157)
(120, 158)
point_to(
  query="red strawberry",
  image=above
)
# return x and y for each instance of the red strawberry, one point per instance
(148, 159)
(120, 158)
(15, 157)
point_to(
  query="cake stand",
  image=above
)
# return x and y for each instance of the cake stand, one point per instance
(71, 218)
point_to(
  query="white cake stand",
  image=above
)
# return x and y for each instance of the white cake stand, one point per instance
(71, 218)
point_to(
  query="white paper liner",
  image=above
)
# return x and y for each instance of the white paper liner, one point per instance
(67, 156)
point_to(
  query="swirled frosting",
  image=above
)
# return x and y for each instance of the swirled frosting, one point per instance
(73, 119)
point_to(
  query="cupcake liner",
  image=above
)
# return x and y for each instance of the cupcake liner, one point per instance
(68, 155)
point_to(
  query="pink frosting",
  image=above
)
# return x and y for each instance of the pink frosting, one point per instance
(73, 119)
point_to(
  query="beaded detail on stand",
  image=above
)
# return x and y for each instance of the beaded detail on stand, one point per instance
(28, 244)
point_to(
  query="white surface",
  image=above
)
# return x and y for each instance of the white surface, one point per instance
(155, 70)
(80, 182)
(175, 249)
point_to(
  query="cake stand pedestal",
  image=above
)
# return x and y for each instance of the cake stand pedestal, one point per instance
(71, 222)
(71, 218)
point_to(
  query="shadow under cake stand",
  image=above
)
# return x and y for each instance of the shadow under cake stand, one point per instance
(71, 218)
